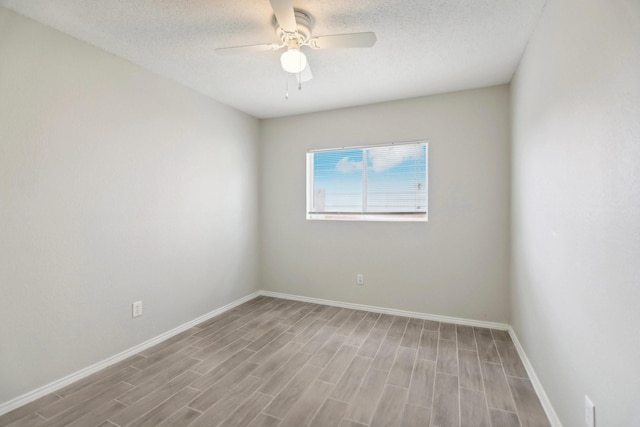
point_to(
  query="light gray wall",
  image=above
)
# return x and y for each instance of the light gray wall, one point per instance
(115, 185)
(457, 264)
(576, 207)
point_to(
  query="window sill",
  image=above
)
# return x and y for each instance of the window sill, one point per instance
(422, 217)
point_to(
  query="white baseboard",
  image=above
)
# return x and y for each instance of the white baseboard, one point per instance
(393, 311)
(544, 399)
(58, 384)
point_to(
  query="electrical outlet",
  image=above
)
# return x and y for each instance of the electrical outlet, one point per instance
(589, 412)
(136, 309)
(360, 279)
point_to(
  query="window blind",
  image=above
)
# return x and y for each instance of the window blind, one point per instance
(384, 179)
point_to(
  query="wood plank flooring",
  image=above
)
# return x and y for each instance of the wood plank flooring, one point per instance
(279, 363)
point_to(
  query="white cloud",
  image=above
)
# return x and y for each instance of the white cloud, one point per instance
(346, 166)
(384, 158)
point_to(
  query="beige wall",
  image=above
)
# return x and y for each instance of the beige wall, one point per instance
(576, 208)
(115, 185)
(457, 264)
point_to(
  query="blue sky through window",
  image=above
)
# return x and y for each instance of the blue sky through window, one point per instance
(338, 176)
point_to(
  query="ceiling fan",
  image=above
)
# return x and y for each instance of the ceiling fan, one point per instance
(293, 29)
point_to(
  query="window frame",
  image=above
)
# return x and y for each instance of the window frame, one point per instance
(364, 216)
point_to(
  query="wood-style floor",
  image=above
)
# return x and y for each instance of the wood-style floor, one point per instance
(272, 362)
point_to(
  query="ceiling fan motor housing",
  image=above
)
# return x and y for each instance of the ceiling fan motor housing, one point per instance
(301, 36)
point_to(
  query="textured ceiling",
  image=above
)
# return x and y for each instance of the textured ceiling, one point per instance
(424, 46)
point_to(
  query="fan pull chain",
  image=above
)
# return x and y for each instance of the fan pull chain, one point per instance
(300, 72)
(286, 88)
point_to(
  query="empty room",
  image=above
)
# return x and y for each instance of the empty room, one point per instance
(295, 213)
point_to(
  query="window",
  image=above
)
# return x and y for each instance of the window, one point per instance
(380, 183)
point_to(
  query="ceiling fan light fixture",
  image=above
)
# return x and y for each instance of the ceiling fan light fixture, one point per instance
(293, 61)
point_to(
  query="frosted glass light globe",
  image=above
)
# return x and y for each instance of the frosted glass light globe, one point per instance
(293, 61)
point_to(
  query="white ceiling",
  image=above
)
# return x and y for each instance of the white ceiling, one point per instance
(424, 46)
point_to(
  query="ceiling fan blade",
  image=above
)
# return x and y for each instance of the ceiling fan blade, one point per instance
(343, 41)
(283, 9)
(305, 75)
(241, 50)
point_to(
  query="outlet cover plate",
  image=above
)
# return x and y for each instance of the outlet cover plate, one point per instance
(136, 309)
(589, 412)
